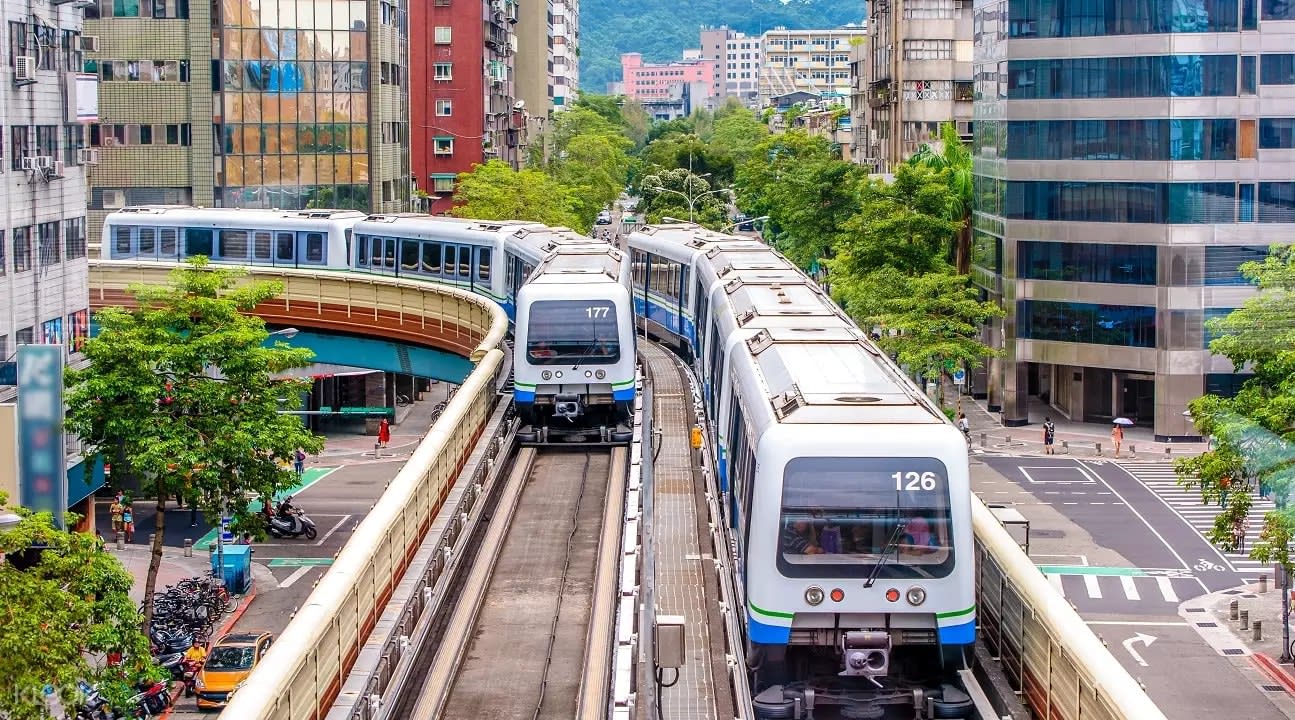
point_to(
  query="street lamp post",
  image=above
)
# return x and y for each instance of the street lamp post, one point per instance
(689, 197)
(762, 218)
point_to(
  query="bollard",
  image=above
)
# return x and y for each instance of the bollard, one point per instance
(1133, 451)
(1097, 448)
(121, 541)
(1258, 630)
(376, 450)
(984, 438)
(1245, 619)
(1065, 446)
(1009, 441)
(188, 547)
(1167, 455)
(1263, 583)
(1233, 607)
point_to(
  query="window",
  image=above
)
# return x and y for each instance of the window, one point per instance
(1277, 202)
(22, 249)
(582, 332)
(1223, 262)
(1088, 18)
(1249, 15)
(17, 41)
(853, 517)
(443, 183)
(1277, 69)
(443, 71)
(18, 136)
(73, 140)
(443, 145)
(3, 271)
(483, 264)
(232, 245)
(1086, 262)
(442, 35)
(1120, 325)
(1277, 134)
(74, 238)
(1246, 207)
(47, 234)
(26, 336)
(1249, 81)
(928, 49)
(315, 247)
(1178, 203)
(444, 107)
(1278, 10)
(1123, 77)
(1211, 139)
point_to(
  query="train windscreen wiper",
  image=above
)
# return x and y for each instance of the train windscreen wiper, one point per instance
(891, 545)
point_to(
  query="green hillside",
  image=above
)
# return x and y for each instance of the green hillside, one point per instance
(662, 29)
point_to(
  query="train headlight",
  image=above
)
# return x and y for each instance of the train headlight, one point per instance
(600, 374)
(892, 595)
(589, 373)
(814, 595)
(546, 374)
(915, 595)
(558, 373)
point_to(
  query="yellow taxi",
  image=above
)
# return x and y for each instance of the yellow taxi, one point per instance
(228, 664)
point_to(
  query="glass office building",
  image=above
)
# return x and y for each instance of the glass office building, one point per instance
(1122, 176)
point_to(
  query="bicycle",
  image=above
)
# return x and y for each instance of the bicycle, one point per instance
(403, 400)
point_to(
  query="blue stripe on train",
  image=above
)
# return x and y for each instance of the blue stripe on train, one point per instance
(964, 634)
(759, 632)
(626, 394)
(523, 396)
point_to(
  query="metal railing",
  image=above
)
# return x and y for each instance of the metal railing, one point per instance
(1049, 655)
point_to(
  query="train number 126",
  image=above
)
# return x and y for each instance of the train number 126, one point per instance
(915, 481)
(597, 312)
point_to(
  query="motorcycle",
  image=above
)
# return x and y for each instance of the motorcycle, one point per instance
(292, 525)
(93, 706)
(170, 642)
(152, 700)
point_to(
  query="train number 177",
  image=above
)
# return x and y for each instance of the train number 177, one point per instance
(597, 312)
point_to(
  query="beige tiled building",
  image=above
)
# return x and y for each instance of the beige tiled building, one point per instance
(811, 61)
(287, 104)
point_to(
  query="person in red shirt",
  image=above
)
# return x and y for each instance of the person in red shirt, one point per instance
(384, 433)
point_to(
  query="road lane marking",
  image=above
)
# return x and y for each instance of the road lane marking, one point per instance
(1167, 589)
(1094, 590)
(1174, 510)
(330, 532)
(295, 576)
(1130, 590)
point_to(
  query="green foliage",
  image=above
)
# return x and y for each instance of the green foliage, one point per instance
(666, 194)
(805, 189)
(661, 30)
(1253, 433)
(901, 224)
(589, 159)
(738, 133)
(495, 191)
(688, 151)
(664, 128)
(182, 396)
(61, 614)
(954, 160)
(637, 122)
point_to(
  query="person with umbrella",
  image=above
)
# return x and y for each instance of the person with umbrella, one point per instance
(1117, 433)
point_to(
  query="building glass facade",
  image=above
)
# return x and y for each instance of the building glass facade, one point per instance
(1123, 182)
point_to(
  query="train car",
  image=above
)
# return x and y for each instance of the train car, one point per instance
(285, 238)
(661, 263)
(470, 254)
(845, 490)
(574, 350)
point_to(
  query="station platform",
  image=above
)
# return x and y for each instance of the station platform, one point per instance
(685, 579)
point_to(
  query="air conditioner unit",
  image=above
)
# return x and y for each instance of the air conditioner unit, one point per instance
(113, 199)
(44, 162)
(89, 43)
(57, 172)
(497, 6)
(87, 156)
(29, 163)
(24, 69)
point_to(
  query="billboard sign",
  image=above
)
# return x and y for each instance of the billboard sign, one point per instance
(42, 471)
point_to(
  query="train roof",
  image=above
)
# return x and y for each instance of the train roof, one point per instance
(187, 213)
(415, 223)
(581, 263)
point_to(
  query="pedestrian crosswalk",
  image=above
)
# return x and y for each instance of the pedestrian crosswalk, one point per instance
(1166, 588)
(1161, 479)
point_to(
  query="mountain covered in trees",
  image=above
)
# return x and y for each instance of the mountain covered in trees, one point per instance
(662, 29)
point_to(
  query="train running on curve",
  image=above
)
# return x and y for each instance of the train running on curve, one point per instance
(845, 490)
(574, 351)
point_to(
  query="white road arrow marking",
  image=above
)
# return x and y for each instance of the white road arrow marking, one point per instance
(1146, 641)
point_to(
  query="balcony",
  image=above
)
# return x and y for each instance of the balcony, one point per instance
(497, 38)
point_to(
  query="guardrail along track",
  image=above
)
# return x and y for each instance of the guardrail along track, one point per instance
(522, 625)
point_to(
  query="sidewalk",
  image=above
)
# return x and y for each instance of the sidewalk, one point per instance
(1210, 616)
(1074, 439)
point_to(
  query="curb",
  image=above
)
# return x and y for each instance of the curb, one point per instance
(234, 617)
(1274, 670)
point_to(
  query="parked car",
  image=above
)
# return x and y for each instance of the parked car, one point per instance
(604, 218)
(228, 664)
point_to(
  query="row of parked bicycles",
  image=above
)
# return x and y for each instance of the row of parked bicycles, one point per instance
(184, 616)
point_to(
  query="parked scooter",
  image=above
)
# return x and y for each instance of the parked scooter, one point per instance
(153, 700)
(294, 524)
(93, 706)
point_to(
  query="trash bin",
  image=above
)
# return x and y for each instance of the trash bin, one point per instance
(237, 572)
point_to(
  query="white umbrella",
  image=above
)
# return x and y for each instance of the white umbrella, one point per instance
(1122, 421)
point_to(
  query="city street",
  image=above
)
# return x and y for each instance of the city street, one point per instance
(1125, 558)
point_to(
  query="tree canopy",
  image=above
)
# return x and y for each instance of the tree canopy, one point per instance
(494, 191)
(953, 159)
(182, 396)
(66, 603)
(666, 193)
(1253, 432)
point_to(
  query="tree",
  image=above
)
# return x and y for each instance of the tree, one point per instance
(589, 160)
(182, 396)
(666, 194)
(494, 191)
(954, 160)
(689, 152)
(608, 106)
(900, 224)
(1252, 434)
(737, 133)
(65, 601)
(637, 122)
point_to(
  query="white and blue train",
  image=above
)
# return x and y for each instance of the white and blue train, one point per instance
(845, 490)
(573, 374)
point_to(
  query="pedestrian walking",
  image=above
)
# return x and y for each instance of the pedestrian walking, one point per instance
(384, 433)
(128, 522)
(1117, 438)
(1239, 530)
(964, 425)
(1049, 436)
(301, 459)
(116, 510)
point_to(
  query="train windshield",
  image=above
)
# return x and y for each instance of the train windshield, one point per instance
(572, 332)
(842, 517)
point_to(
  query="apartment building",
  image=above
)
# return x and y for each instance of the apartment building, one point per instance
(919, 76)
(246, 104)
(464, 111)
(1128, 158)
(535, 78)
(737, 68)
(809, 61)
(660, 81)
(566, 52)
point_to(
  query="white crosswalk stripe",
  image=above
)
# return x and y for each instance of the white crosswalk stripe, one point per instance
(1141, 588)
(1161, 479)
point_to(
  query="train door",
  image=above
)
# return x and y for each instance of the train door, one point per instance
(310, 249)
(285, 249)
